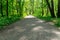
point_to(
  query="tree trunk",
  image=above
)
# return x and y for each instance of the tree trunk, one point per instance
(20, 6)
(17, 6)
(51, 8)
(42, 9)
(1, 9)
(7, 8)
(52, 3)
(47, 11)
(12, 7)
(58, 14)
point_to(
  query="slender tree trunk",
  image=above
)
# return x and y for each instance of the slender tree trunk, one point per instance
(20, 10)
(7, 8)
(42, 9)
(52, 3)
(58, 14)
(33, 7)
(17, 6)
(12, 7)
(1, 9)
(21, 4)
(47, 11)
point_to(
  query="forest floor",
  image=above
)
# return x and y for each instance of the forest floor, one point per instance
(31, 28)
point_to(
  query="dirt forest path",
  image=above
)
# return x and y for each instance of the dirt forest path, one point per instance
(31, 28)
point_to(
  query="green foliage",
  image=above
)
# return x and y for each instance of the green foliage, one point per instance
(21, 8)
(57, 22)
(4, 21)
(13, 8)
(46, 18)
(47, 15)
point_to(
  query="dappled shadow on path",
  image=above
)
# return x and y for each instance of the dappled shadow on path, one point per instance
(31, 28)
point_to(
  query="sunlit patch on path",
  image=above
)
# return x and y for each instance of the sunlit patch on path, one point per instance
(30, 28)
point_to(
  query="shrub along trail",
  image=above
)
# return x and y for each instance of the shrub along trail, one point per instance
(30, 28)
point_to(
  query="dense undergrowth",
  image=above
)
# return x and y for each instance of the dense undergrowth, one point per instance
(56, 21)
(5, 21)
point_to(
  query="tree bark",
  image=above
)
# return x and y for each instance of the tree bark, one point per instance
(1, 9)
(42, 9)
(7, 8)
(51, 8)
(58, 14)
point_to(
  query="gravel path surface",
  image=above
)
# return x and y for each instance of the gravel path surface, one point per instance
(31, 28)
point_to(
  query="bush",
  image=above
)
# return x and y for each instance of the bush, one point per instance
(4, 21)
(57, 23)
